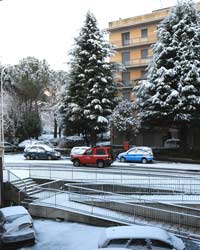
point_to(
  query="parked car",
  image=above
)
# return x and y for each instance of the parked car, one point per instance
(16, 225)
(33, 143)
(100, 156)
(139, 237)
(42, 152)
(136, 154)
(172, 143)
(8, 147)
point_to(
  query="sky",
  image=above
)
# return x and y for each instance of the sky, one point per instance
(46, 29)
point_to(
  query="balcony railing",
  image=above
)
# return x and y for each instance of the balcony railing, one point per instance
(137, 62)
(134, 41)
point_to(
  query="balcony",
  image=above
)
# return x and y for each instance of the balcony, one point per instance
(137, 41)
(137, 63)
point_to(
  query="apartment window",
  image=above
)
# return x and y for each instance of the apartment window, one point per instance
(144, 32)
(126, 77)
(125, 38)
(126, 58)
(144, 53)
(143, 74)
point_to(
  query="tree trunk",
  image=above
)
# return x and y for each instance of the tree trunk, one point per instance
(183, 133)
(93, 138)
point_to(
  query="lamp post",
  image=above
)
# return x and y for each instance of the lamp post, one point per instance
(2, 138)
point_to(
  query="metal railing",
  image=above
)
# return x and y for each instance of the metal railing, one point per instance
(137, 62)
(134, 41)
(112, 206)
(22, 190)
(187, 186)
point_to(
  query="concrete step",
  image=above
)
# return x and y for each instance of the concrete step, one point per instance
(31, 192)
(21, 181)
(29, 185)
(24, 183)
(29, 199)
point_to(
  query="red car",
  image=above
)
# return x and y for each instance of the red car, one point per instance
(99, 156)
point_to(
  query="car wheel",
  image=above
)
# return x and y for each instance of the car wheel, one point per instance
(100, 164)
(28, 157)
(49, 157)
(76, 163)
(122, 159)
(144, 160)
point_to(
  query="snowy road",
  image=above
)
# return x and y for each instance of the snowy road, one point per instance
(11, 159)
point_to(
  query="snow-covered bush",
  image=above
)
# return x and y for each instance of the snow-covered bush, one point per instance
(125, 118)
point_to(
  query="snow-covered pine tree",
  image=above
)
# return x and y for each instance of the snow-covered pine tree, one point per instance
(125, 119)
(91, 93)
(172, 93)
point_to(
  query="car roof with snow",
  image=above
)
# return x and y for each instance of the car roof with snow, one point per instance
(141, 232)
(14, 210)
(44, 146)
(79, 150)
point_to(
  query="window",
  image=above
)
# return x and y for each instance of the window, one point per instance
(160, 245)
(144, 32)
(138, 244)
(144, 53)
(126, 78)
(117, 243)
(100, 152)
(131, 151)
(126, 58)
(125, 38)
(89, 152)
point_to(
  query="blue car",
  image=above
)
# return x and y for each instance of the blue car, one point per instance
(136, 154)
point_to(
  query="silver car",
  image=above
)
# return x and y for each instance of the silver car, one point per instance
(16, 225)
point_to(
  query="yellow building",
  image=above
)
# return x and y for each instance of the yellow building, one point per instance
(132, 38)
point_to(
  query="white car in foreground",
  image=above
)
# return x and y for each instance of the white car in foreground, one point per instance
(139, 237)
(16, 225)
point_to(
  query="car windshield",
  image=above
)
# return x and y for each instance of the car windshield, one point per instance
(12, 218)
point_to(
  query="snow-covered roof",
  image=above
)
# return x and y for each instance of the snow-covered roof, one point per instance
(78, 150)
(141, 232)
(14, 210)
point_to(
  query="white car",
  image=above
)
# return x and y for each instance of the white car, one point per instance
(139, 237)
(16, 225)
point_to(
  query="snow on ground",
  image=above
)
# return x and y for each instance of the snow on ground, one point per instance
(54, 235)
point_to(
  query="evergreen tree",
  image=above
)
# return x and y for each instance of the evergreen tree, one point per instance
(91, 94)
(172, 93)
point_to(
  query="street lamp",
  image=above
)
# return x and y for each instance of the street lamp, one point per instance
(2, 138)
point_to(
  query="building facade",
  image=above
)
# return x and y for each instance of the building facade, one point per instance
(132, 39)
